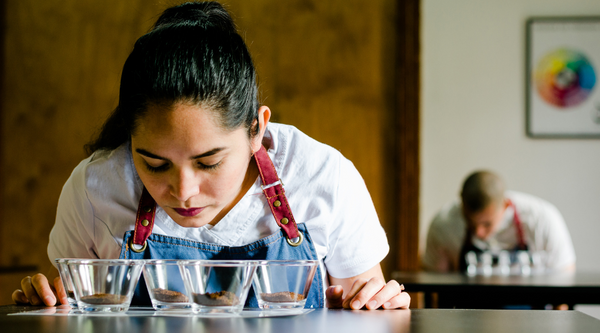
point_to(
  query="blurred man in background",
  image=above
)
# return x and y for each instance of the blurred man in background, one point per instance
(489, 218)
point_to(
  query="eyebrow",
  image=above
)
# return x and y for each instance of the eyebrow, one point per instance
(149, 154)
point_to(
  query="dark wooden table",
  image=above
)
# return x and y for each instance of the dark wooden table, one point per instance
(321, 320)
(456, 290)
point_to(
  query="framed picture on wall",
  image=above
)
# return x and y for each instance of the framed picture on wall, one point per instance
(563, 65)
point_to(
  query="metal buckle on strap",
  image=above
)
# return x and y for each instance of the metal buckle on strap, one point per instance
(264, 187)
(133, 248)
(296, 241)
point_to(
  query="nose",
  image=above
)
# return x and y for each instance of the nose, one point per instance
(184, 185)
(481, 232)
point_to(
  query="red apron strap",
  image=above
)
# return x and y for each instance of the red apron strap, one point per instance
(519, 227)
(273, 190)
(144, 220)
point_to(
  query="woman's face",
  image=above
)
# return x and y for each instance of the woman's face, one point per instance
(194, 169)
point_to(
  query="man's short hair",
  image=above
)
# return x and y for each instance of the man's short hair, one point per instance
(480, 189)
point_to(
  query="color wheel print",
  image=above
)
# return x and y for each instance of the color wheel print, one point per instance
(564, 78)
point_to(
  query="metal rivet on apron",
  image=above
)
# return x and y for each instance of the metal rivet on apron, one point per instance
(277, 203)
(145, 223)
(284, 220)
(296, 241)
(143, 247)
(148, 209)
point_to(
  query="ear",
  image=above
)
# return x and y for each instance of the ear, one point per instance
(264, 114)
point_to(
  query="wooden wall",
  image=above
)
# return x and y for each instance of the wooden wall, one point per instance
(327, 67)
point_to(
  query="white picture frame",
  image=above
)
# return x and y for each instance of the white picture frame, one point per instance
(563, 77)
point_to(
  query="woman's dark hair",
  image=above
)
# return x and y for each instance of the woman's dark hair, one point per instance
(193, 54)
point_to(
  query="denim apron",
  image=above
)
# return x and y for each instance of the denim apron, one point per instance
(469, 247)
(291, 242)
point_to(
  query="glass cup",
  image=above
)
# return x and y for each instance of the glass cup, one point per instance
(504, 262)
(104, 285)
(165, 285)
(67, 281)
(471, 259)
(525, 262)
(486, 263)
(217, 286)
(283, 284)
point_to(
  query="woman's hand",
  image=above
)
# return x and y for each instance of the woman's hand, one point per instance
(36, 290)
(367, 290)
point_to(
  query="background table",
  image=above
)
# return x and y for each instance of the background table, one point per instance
(321, 320)
(457, 290)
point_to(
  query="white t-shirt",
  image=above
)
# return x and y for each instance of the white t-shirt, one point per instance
(544, 230)
(99, 201)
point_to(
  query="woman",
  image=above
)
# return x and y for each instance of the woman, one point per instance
(188, 166)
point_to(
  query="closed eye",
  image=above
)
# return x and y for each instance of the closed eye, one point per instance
(208, 167)
(160, 168)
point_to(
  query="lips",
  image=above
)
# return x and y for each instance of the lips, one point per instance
(188, 212)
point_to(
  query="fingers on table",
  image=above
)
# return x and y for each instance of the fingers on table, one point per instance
(375, 293)
(352, 293)
(385, 295)
(334, 296)
(44, 289)
(401, 301)
(38, 290)
(29, 291)
(19, 297)
(60, 291)
(362, 293)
